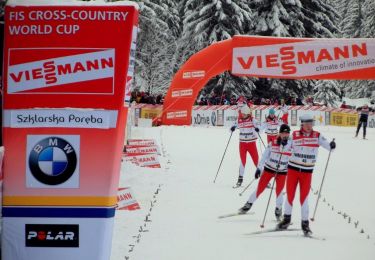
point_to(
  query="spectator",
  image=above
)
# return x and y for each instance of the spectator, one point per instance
(344, 105)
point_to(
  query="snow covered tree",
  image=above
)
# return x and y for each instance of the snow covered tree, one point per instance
(293, 18)
(352, 20)
(156, 45)
(209, 21)
(326, 92)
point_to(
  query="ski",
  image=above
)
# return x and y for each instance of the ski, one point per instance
(311, 236)
(271, 230)
(235, 214)
(236, 186)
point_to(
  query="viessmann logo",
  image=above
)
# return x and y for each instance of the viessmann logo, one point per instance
(78, 68)
(304, 58)
(51, 235)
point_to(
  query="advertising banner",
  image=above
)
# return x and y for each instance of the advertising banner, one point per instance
(268, 57)
(142, 149)
(344, 119)
(65, 73)
(126, 199)
(150, 160)
(204, 117)
(371, 121)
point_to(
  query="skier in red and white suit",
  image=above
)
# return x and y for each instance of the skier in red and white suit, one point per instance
(284, 110)
(305, 145)
(271, 125)
(274, 164)
(249, 129)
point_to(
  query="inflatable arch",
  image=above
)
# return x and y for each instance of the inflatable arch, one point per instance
(267, 57)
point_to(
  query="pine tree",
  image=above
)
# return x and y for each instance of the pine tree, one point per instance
(293, 18)
(327, 92)
(209, 21)
(156, 45)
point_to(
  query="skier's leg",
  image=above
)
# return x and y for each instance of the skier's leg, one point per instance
(252, 148)
(291, 186)
(358, 128)
(243, 154)
(364, 129)
(304, 188)
(280, 183)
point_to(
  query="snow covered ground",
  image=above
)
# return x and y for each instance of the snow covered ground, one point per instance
(180, 204)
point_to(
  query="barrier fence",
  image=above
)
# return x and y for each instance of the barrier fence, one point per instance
(225, 115)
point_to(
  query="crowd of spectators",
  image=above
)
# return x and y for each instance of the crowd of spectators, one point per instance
(146, 98)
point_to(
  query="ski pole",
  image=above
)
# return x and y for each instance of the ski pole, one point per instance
(321, 184)
(273, 184)
(261, 140)
(242, 192)
(217, 173)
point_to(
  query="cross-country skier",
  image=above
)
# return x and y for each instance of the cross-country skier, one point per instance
(305, 145)
(273, 164)
(249, 129)
(363, 118)
(271, 125)
(284, 110)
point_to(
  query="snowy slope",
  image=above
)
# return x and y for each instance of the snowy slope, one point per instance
(184, 223)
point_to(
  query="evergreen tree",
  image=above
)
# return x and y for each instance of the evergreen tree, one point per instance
(209, 21)
(156, 45)
(327, 92)
(293, 18)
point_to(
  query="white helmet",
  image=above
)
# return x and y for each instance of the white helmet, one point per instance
(245, 110)
(306, 118)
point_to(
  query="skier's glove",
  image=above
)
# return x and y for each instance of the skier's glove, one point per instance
(284, 142)
(257, 173)
(233, 128)
(332, 145)
(257, 129)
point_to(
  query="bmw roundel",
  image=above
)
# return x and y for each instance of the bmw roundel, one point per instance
(52, 160)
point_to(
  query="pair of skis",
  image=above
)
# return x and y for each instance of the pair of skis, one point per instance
(270, 230)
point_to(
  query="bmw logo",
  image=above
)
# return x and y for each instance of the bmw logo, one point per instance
(52, 161)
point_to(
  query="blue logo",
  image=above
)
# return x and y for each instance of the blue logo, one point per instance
(52, 161)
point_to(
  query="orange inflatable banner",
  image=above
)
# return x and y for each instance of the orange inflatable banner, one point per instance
(267, 57)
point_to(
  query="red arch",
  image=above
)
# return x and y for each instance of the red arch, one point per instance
(275, 55)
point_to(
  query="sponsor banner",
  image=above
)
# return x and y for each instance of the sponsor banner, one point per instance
(52, 161)
(319, 116)
(344, 119)
(193, 74)
(143, 160)
(142, 149)
(182, 93)
(230, 117)
(142, 142)
(58, 74)
(177, 114)
(64, 118)
(33, 77)
(53, 238)
(220, 117)
(308, 58)
(151, 112)
(126, 199)
(204, 117)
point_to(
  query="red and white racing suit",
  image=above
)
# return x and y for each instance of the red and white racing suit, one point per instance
(270, 127)
(284, 109)
(274, 162)
(301, 165)
(248, 137)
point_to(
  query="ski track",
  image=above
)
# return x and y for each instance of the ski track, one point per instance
(183, 221)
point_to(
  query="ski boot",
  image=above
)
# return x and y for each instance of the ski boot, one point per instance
(284, 224)
(239, 182)
(245, 208)
(278, 213)
(305, 228)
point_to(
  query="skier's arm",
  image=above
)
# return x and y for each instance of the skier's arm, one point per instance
(324, 143)
(263, 126)
(265, 156)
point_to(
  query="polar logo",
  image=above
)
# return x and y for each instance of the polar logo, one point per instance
(51, 235)
(45, 73)
(213, 118)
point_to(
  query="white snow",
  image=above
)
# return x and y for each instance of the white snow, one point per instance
(184, 223)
